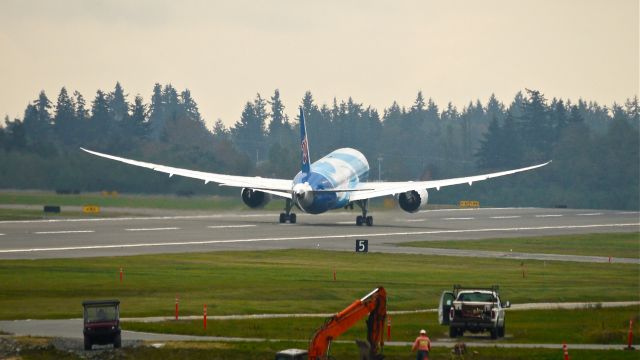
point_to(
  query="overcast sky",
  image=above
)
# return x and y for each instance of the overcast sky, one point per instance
(375, 51)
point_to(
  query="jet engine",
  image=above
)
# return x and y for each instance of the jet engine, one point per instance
(412, 201)
(254, 198)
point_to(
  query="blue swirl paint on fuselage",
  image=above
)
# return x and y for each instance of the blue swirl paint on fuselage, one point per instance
(341, 169)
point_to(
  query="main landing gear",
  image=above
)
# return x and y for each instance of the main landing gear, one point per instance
(364, 219)
(287, 215)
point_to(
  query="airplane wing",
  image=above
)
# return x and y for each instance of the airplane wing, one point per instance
(278, 187)
(378, 189)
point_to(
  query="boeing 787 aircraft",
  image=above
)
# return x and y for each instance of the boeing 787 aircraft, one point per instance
(333, 182)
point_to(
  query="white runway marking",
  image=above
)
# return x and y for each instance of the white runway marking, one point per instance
(63, 232)
(415, 220)
(229, 226)
(627, 212)
(344, 222)
(2, 234)
(459, 218)
(153, 229)
(550, 215)
(589, 214)
(505, 217)
(346, 236)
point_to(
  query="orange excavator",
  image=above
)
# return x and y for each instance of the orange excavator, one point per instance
(374, 304)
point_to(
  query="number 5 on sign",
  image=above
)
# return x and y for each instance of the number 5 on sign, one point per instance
(362, 245)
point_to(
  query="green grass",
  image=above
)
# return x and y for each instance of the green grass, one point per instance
(121, 200)
(28, 214)
(287, 281)
(585, 326)
(611, 244)
(267, 350)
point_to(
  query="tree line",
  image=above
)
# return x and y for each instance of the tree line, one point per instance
(594, 148)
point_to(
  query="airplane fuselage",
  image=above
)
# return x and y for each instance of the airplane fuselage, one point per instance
(341, 169)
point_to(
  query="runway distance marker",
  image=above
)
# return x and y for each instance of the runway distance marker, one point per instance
(362, 245)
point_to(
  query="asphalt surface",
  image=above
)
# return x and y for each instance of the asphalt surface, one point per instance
(255, 231)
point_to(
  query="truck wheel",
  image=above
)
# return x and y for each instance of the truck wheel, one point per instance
(501, 329)
(453, 332)
(117, 342)
(87, 343)
(494, 333)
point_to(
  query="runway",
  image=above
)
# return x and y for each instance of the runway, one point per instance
(255, 231)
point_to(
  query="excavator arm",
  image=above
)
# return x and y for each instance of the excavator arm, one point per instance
(374, 304)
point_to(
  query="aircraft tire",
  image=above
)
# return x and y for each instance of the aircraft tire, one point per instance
(292, 218)
(283, 218)
(359, 220)
(369, 220)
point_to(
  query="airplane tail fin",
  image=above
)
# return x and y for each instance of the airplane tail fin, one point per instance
(304, 145)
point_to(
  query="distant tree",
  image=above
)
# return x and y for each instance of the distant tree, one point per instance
(190, 107)
(138, 121)
(99, 123)
(491, 147)
(248, 132)
(118, 106)
(220, 131)
(157, 113)
(82, 113)
(64, 121)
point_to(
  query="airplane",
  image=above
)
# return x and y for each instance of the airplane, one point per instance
(335, 181)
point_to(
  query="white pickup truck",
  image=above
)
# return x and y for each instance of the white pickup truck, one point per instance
(473, 309)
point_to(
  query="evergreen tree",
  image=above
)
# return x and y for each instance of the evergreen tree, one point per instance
(157, 113)
(65, 124)
(118, 106)
(138, 122)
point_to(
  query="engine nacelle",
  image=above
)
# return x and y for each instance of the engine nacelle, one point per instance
(412, 201)
(254, 198)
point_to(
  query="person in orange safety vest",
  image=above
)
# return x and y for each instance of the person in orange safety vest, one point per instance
(422, 345)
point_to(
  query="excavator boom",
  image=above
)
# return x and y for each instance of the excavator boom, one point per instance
(374, 304)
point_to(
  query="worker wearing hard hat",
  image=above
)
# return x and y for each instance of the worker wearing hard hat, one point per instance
(422, 345)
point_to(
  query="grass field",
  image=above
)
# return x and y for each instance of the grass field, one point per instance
(122, 200)
(290, 281)
(612, 244)
(585, 326)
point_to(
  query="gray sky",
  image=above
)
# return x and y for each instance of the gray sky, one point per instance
(375, 51)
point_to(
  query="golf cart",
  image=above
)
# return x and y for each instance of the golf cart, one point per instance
(101, 323)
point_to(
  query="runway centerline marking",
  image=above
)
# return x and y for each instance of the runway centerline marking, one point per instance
(589, 214)
(505, 217)
(63, 232)
(230, 226)
(549, 215)
(416, 220)
(153, 229)
(345, 236)
(459, 218)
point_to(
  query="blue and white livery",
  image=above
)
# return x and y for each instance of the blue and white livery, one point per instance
(333, 182)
